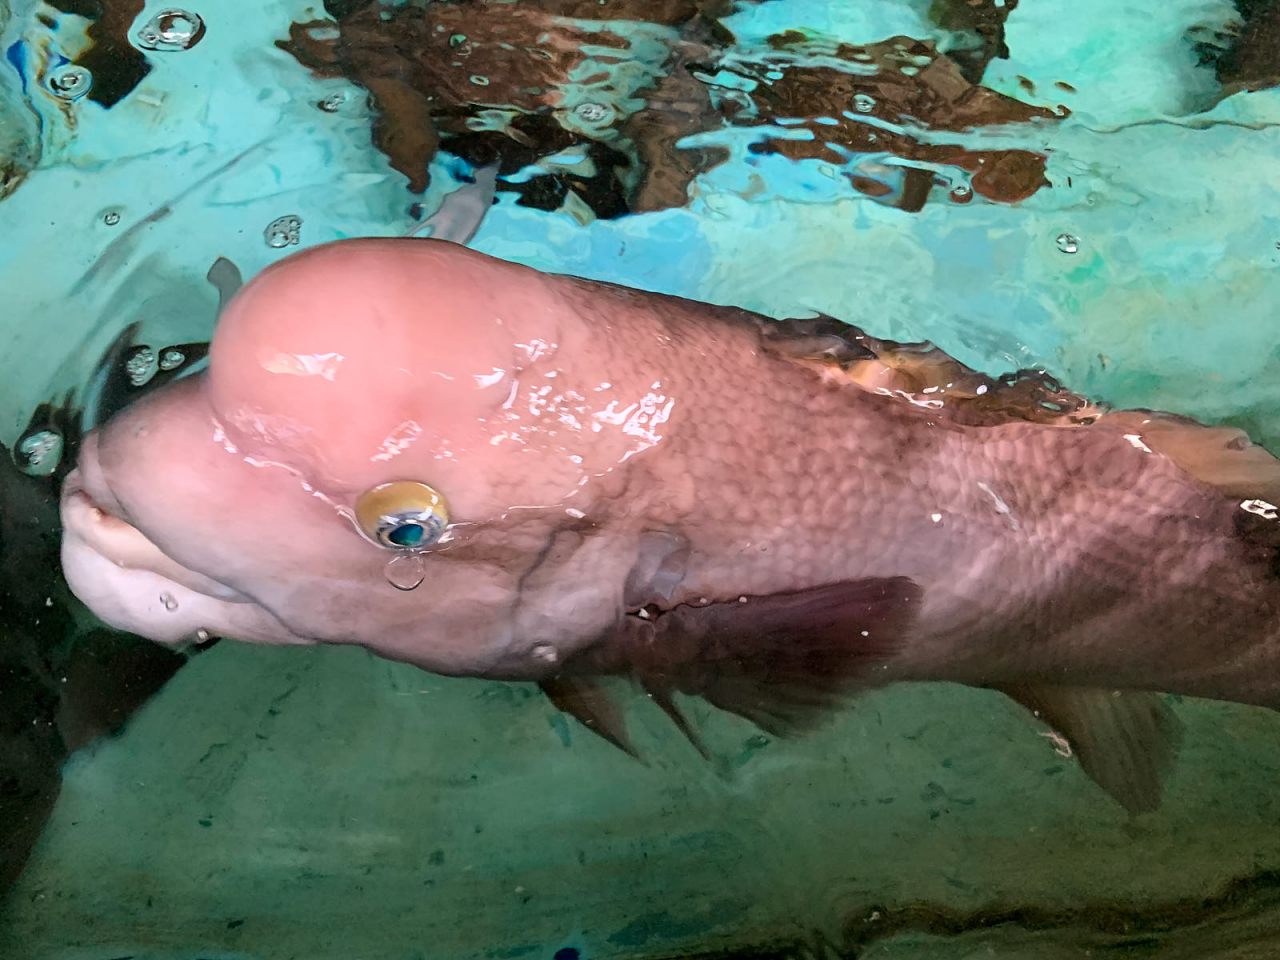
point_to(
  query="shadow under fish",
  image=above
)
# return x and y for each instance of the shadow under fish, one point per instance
(63, 684)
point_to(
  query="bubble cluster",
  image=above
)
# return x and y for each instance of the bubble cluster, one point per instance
(38, 454)
(171, 358)
(171, 30)
(69, 82)
(283, 231)
(591, 112)
(140, 365)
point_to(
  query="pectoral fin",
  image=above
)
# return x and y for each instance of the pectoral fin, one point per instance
(782, 661)
(587, 700)
(1126, 740)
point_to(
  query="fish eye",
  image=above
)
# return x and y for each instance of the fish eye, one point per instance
(402, 515)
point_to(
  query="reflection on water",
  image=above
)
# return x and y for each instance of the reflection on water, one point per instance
(1090, 193)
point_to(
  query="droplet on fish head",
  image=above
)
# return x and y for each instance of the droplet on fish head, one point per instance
(170, 30)
(406, 572)
(864, 102)
(111, 218)
(1067, 243)
(69, 82)
(592, 112)
(171, 358)
(544, 653)
(332, 103)
(38, 454)
(140, 365)
(168, 601)
(283, 231)
(402, 515)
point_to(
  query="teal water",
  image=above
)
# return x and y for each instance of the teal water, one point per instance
(274, 803)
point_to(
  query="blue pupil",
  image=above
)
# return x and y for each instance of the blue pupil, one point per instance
(407, 534)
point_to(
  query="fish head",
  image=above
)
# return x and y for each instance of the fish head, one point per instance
(363, 428)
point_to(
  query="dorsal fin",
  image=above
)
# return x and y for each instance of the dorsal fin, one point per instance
(924, 375)
(1222, 457)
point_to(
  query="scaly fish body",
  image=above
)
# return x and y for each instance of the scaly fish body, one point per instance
(768, 515)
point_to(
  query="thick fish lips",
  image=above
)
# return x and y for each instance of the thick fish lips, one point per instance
(131, 584)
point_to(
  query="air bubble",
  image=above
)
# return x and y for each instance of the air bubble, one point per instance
(69, 82)
(1067, 243)
(283, 232)
(171, 30)
(172, 359)
(140, 365)
(406, 572)
(332, 103)
(39, 453)
(111, 218)
(864, 102)
(591, 112)
(479, 81)
(169, 602)
(545, 653)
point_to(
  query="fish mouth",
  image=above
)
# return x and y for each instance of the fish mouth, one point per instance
(133, 585)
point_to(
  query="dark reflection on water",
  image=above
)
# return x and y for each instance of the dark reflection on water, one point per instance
(521, 84)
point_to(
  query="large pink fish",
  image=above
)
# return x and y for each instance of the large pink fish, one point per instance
(592, 480)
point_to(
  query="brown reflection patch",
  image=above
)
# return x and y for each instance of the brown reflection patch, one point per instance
(904, 84)
(491, 81)
(983, 21)
(1245, 53)
(117, 66)
(489, 78)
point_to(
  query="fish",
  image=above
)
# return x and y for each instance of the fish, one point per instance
(484, 470)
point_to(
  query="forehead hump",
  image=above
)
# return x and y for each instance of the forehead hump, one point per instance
(336, 347)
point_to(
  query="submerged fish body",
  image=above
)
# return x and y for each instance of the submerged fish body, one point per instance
(768, 515)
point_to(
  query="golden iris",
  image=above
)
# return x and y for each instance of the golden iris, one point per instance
(402, 515)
